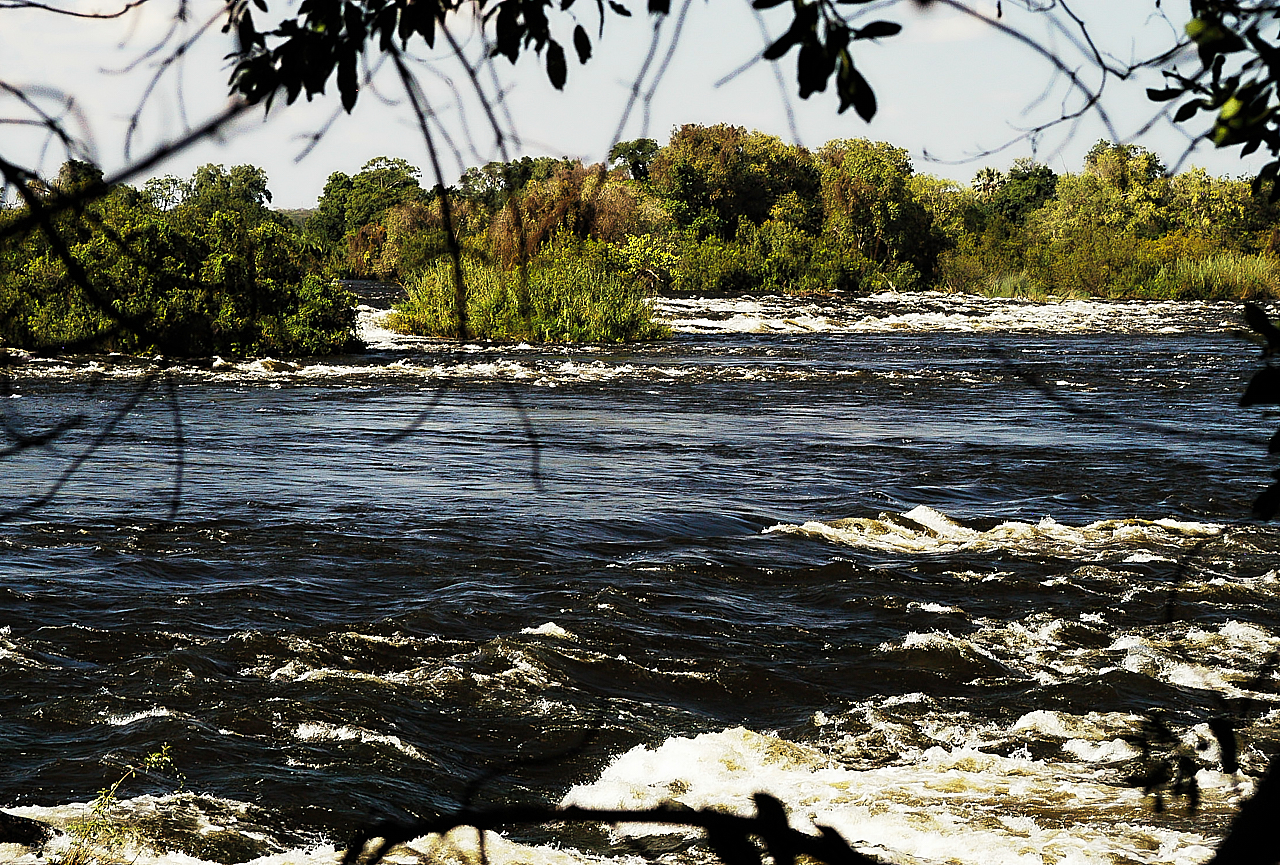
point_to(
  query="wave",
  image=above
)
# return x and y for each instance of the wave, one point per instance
(923, 530)
(933, 311)
(947, 803)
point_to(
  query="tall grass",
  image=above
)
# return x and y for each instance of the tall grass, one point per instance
(571, 293)
(1014, 284)
(1229, 276)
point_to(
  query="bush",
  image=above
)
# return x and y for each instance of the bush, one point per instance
(715, 266)
(568, 293)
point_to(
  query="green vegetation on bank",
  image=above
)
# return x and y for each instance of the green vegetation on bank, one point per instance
(721, 210)
(554, 250)
(567, 293)
(181, 268)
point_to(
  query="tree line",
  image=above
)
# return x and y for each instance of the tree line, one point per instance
(185, 268)
(720, 209)
(552, 249)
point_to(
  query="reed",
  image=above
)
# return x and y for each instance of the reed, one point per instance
(1014, 284)
(1229, 276)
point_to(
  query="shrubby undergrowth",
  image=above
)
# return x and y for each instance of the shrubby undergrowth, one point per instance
(567, 293)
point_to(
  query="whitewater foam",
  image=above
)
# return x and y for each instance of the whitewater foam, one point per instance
(923, 530)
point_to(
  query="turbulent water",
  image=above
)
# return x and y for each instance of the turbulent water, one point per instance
(926, 568)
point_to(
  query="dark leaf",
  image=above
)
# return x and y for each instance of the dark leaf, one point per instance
(1164, 95)
(732, 847)
(660, 7)
(851, 2)
(1224, 730)
(565, 4)
(766, 4)
(854, 90)
(557, 71)
(775, 829)
(1250, 147)
(246, 32)
(782, 46)
(813, 68)
(354, 21)
(1187, 111)
(507, 31)
(837, 38)
(1259, 323)
(1266, 505)
(581, 44)
(620, 9)
(877, 30)
(1263, 389)
(348, 84)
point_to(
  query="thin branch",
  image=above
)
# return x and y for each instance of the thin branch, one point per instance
(417, 100)
(70, 13)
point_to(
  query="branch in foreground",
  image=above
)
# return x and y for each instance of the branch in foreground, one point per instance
(729, 835)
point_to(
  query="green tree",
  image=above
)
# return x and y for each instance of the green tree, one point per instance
(1026, 187)
(868, 200)
(166, 193)
(712, 177)
(493, 184)
(243, 189)
(636, 155)
(329, 222)
(381, 184)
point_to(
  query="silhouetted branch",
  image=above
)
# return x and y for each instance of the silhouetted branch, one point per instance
(71, 13)
(730, 836)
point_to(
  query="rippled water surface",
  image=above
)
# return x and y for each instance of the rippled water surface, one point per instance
(920, 566)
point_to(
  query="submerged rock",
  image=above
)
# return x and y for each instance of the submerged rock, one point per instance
(23, 830)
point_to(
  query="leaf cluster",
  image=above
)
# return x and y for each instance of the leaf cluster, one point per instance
(326, 39)
(823, 36)
(1238, 82)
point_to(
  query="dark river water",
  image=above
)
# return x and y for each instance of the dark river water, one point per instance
(923, 567)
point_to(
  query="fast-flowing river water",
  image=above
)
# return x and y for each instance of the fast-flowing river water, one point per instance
(924, 567)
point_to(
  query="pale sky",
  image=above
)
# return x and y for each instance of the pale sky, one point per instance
(949, 87)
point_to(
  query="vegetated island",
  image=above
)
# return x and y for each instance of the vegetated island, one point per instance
(552, 250)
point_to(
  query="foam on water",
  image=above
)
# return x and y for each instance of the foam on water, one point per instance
(924, 530)
(932, 311)
(315, 731)
(945, 804)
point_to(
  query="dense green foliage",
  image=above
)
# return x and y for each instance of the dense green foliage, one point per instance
(566, 293)
(556, 250)
(1121, 228)
(183, 268)
(721, 210)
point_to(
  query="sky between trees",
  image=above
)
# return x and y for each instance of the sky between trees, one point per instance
(949, 87)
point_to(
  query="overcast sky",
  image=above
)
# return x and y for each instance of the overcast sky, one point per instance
(950, 87)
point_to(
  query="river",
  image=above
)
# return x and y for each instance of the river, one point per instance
(921, 566)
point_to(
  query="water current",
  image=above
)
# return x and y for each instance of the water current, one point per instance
(921, 566)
